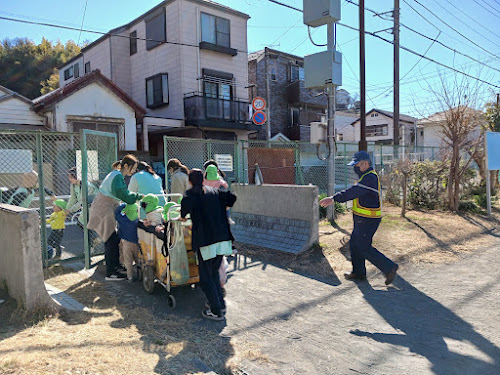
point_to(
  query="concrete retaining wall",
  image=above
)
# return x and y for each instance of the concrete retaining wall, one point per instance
(21, 257)
(281, 217)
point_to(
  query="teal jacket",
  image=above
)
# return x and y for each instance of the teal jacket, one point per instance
(113, 186)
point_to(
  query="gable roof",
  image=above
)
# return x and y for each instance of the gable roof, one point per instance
(12, 94)
(402, 117)
(45, 101)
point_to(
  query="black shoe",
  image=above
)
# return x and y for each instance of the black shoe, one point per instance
(208, 314)
(353, 276)
(207, 305)
(389, 278)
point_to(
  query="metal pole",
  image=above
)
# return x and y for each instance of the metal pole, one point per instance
(362, 143)
(396, 73)
(331, 128)
(268, 98)
(85, 206)
(41, 195)
(488, 182)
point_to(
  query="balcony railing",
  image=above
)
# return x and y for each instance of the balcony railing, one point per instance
(205, 111)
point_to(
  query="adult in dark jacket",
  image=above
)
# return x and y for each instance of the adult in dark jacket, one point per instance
(211, 237)
(367, 214)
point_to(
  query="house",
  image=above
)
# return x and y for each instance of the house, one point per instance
(16, 112)
(290, 106)
(92, 101)
(380, 128)
(430, 129)
(185, 62)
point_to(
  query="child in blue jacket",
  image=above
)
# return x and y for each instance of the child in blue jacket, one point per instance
(127, 217)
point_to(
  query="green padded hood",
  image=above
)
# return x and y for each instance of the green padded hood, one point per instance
(212, 173)
(130, 211)
(60, 203)
(152, 202)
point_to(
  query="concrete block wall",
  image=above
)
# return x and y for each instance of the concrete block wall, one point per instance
(280, 217)
(21, 258)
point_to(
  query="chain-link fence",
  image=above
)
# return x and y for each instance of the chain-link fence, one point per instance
(288, 162)
(42, 171)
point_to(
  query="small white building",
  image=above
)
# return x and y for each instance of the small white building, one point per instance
(380, 128)
(92, 102)
(16, 112)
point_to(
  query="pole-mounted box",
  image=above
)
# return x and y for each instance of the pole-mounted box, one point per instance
(319, 132)
(323, 69)
(321, 12)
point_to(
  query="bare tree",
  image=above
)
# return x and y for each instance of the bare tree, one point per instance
(461, 127)
(404, 168)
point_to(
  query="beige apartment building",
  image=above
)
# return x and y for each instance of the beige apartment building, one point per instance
(185, 62)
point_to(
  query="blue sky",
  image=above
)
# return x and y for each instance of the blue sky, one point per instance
(282, 28)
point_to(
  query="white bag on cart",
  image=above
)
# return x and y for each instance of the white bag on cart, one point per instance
(179, 265)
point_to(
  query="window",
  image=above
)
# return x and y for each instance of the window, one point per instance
(68, 73)
(156, 31)
(294, 116)
(215, 89)
(215, 30)
(296, 73)
(109, 127)
(87, 67)
(76, 70)
(157, 90)
(374, 115)
(340, 137)
(133, 42)
(273, 73)
(376, 130)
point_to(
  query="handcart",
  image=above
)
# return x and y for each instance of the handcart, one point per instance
(155, 256)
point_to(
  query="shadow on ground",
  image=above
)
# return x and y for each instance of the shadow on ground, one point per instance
(430, 330)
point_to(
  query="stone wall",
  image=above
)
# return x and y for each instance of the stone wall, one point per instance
(280, 217)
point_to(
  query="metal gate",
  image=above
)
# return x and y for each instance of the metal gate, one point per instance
(99, 152)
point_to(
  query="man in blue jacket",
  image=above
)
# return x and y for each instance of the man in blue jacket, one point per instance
(367, 214)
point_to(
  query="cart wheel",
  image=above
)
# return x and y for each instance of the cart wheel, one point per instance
(148, 279)
(171, 301)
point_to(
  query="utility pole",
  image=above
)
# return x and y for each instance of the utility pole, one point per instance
(396, 77)
(268, 97)
(363, 146)
(330, 213)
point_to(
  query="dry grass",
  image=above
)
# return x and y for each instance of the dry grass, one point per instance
(111, 338)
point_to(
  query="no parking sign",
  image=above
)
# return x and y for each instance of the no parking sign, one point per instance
(259, 118)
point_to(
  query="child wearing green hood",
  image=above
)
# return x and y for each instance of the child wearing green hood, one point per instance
(154, 212)
(128, 218)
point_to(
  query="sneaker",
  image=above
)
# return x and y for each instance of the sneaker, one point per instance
(132, 279)
(208, 314)
(231, 221)
(207, 305)
(116, 277)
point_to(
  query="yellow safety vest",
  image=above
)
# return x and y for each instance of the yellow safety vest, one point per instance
(373, 213)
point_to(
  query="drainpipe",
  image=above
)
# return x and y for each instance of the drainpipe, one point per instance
(268, 98)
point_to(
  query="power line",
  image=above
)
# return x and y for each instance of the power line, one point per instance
(489, 11)
(451, 27)
(433, 39)
(286, 31)
(99, 32)
(83, 19)
(402, 47)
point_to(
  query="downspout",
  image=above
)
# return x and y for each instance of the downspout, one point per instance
(111, 60)
(198, 39)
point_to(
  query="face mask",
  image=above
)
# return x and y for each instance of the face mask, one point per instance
(357, 170)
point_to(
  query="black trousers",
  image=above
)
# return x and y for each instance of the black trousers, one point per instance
(112, 254)
(210, 282)
(55, 239)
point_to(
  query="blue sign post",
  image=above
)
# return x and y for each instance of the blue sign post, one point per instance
(492, 152)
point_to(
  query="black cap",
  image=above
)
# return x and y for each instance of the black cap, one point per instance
(359, 156)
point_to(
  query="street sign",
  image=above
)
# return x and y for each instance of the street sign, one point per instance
(259, 104)
(259, 118)
(225, 162)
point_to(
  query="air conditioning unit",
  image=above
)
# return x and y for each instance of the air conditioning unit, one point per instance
(321, 12)
(319, 132)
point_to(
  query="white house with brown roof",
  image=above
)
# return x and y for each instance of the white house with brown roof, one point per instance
(92, 102)
(185, 61)
(380, 128)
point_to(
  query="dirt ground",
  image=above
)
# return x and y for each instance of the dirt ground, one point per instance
(288, 314)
